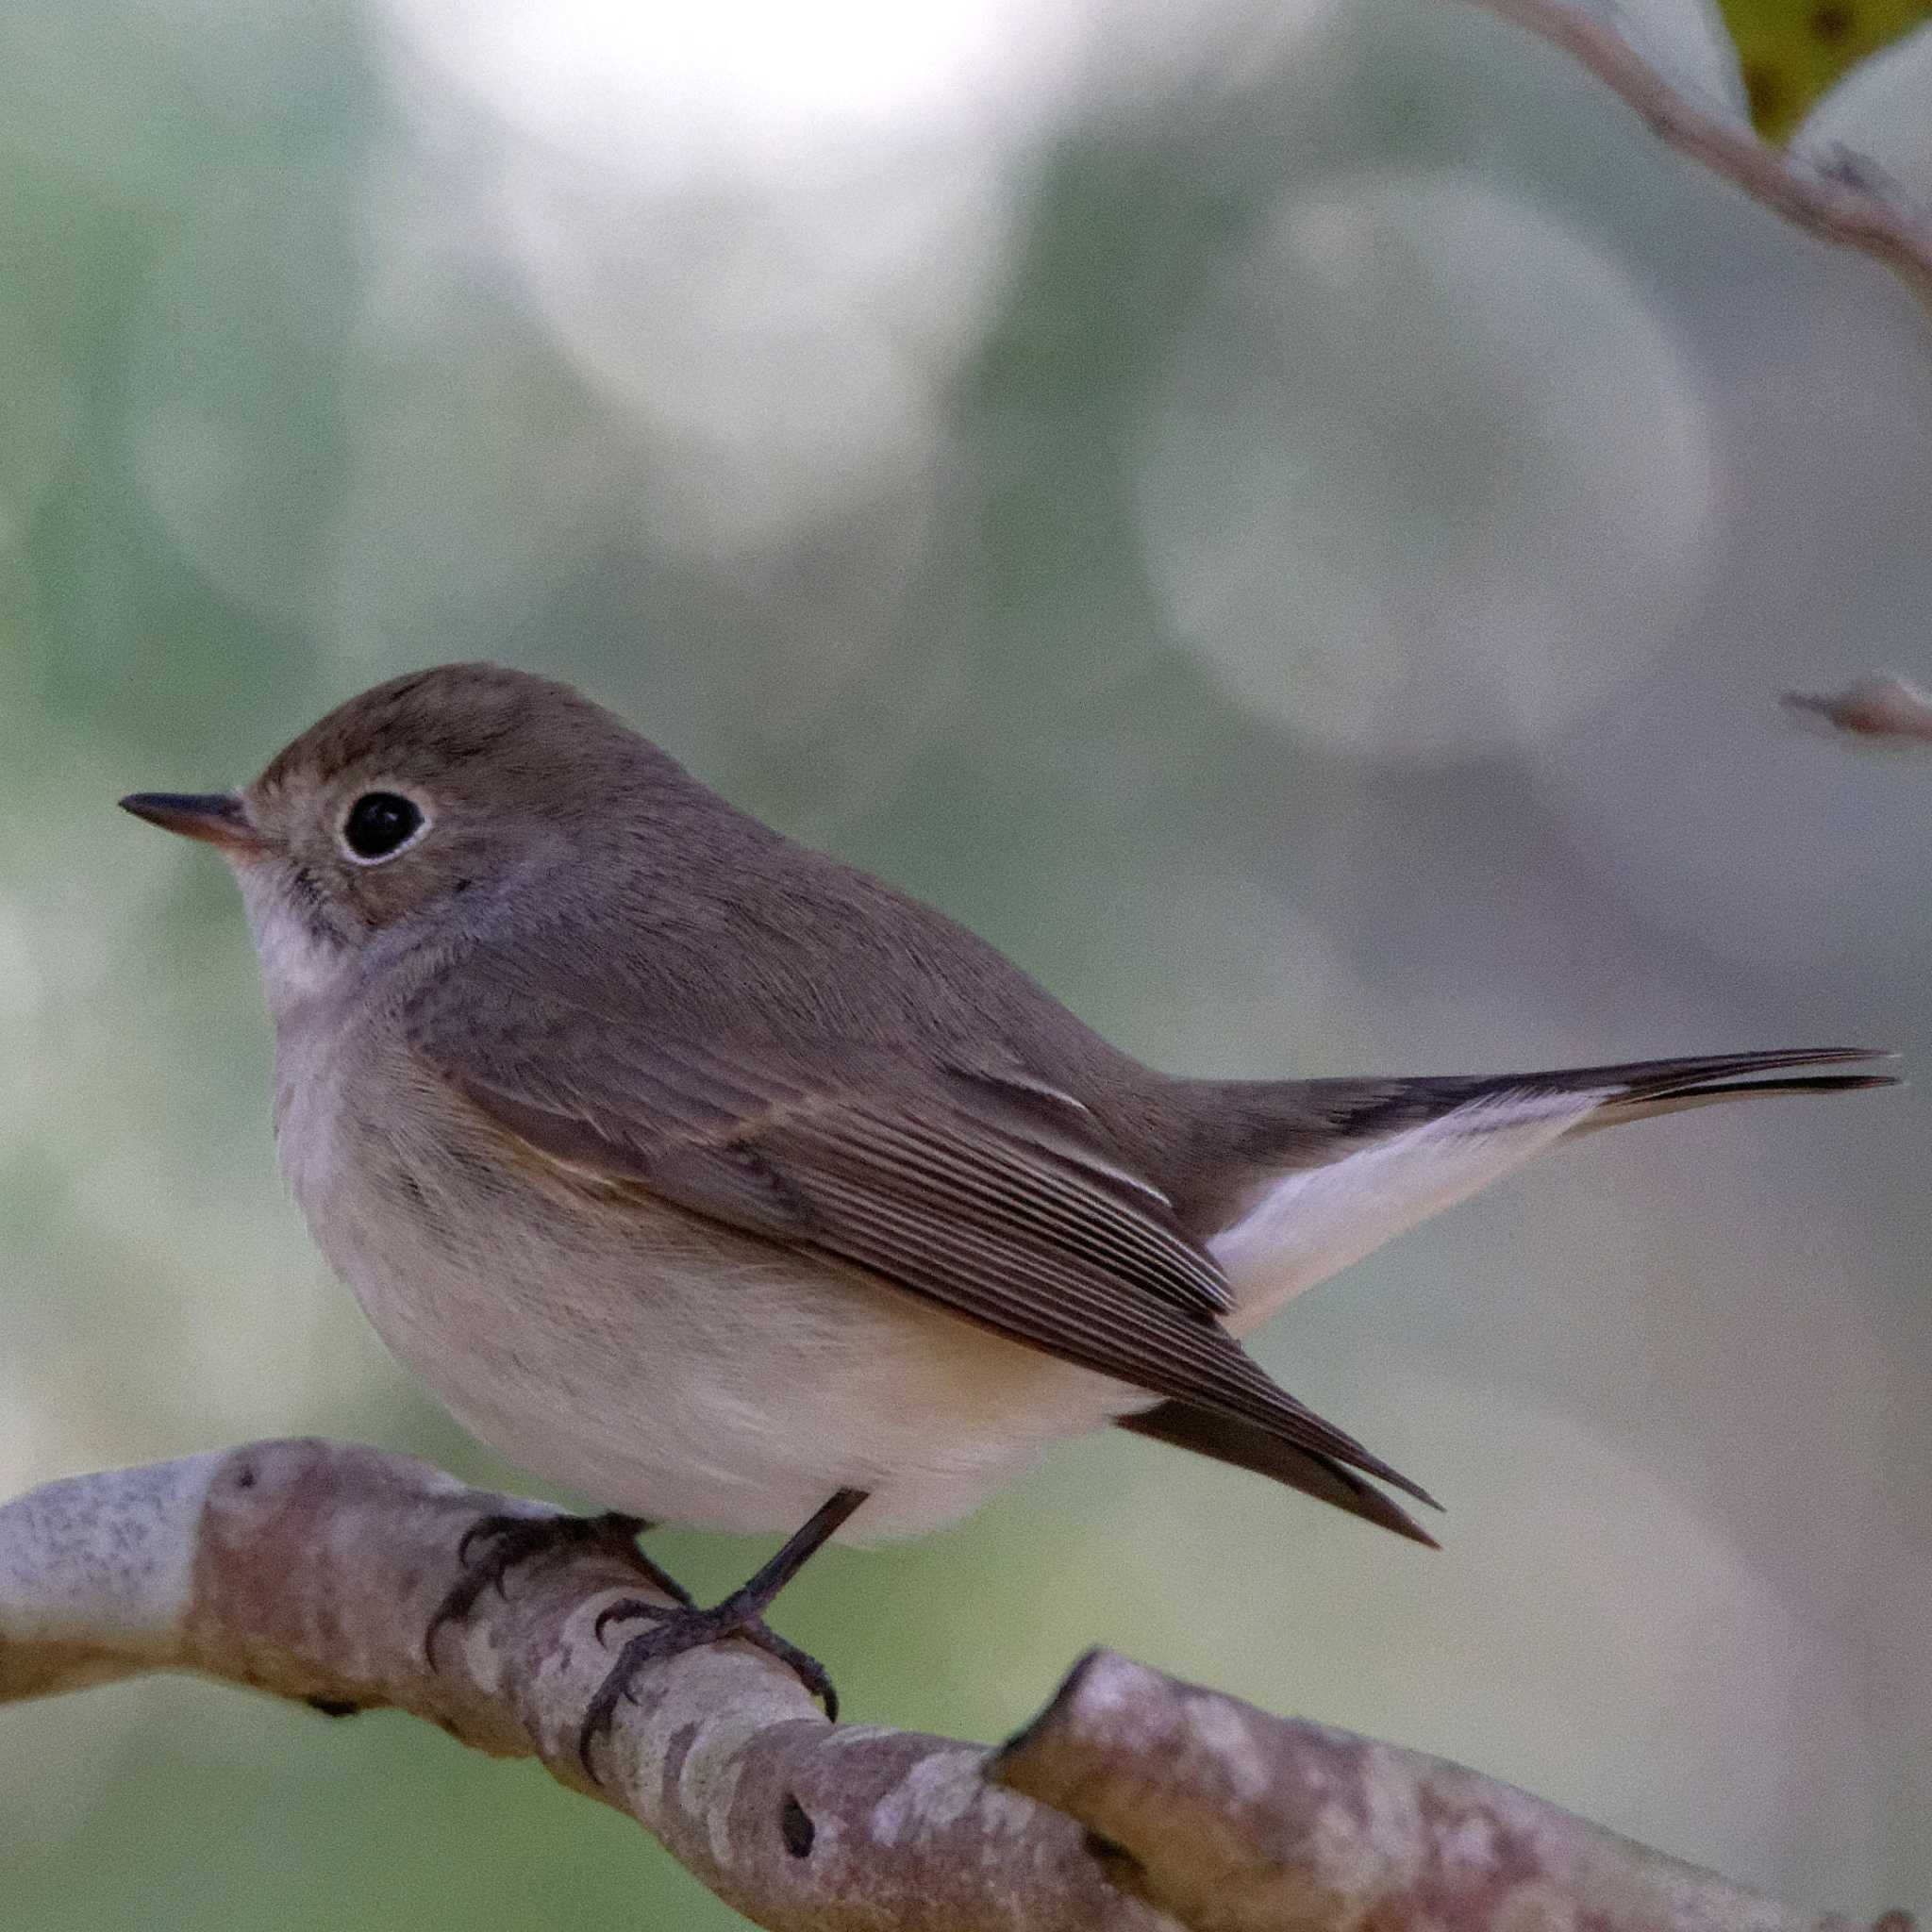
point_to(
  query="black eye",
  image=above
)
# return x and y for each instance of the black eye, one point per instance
(380, 823)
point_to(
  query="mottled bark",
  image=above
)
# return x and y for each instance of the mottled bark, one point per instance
(311, 1570)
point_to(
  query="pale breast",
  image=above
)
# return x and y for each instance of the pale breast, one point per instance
(653, 1360)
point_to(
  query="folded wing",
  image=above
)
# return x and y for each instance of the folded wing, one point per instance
(985, 1191)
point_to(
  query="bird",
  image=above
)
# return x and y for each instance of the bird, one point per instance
(728, 1185)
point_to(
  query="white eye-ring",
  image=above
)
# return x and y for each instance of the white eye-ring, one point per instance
(381, 826)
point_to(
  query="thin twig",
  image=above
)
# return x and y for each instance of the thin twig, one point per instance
(1881, 709)
(1846, 202)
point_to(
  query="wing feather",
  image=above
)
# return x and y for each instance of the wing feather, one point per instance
(989, 1192)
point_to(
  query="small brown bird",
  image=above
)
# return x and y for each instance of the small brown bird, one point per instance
(728, 1185)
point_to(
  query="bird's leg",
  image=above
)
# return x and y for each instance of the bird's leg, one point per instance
(517, 1539)
(740, 1614)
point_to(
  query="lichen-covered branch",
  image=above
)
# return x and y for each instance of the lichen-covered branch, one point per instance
(1838, 198)
(312, 1570)
(1226, 1817)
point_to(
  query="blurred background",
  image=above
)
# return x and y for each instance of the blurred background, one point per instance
(1290, 519)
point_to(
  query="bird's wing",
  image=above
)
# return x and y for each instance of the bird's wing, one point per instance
(1243, 1445)
(990, 1193)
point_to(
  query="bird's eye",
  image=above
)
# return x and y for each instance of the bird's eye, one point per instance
(380, 825)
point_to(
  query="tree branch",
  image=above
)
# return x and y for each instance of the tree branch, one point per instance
(1846, 202)
(1135, 1803)
(1881, 709)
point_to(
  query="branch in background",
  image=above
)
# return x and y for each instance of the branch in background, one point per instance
(1847, 202)
(1885, 709)
(1133, 1802)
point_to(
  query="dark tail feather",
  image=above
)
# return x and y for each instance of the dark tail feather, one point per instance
(1650, 1083)
(1245, 1445)
(1708, 1075)
(1255, 1129)
(1659, 1086)
(1648, 1106)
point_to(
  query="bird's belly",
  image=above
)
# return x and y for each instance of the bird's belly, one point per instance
(738, 1399)
(663, 1365)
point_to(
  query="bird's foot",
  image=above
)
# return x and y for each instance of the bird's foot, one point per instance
(687, 1627)
(512, 1541)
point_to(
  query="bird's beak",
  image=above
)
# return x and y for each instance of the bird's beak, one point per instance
(218, 817)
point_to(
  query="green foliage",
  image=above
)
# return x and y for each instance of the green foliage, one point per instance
(1793, 52)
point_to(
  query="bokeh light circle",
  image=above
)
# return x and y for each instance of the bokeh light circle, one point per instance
(1427, 472)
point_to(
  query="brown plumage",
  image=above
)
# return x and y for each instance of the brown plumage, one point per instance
(713, 1175)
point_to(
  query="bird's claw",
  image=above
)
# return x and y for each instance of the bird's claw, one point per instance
(515, 1540)
(678, 1629)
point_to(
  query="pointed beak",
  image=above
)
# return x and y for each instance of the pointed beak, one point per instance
(217, 816)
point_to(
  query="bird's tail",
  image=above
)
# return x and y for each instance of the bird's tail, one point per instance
(1655, 1087)
(1294, 1180)
(1316, 1174)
